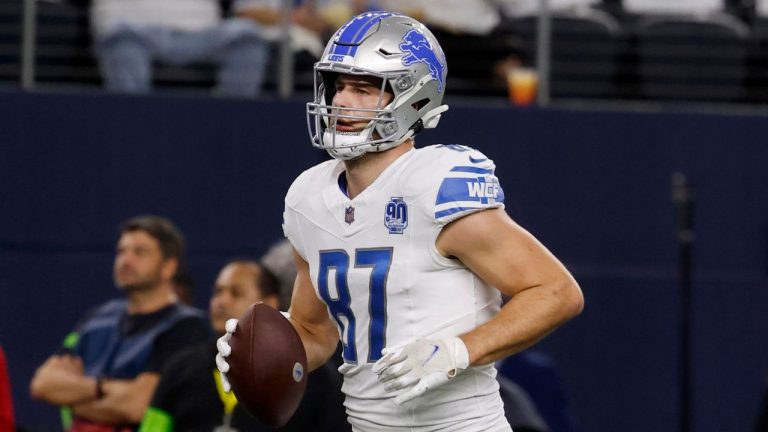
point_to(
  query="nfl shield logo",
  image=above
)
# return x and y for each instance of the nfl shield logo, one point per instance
(349, 215)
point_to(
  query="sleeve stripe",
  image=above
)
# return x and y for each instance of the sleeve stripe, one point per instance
(454, 210)
(459, 204)
(474, 170)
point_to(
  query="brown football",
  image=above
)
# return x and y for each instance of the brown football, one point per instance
(268, 365)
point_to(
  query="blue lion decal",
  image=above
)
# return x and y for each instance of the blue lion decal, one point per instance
(420, 50)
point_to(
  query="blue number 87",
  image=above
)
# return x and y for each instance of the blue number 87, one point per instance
(379, 260)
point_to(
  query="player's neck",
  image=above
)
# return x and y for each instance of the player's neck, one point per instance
(363, 171)
(151, 300)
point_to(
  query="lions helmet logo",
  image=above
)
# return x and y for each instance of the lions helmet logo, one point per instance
(420, 50)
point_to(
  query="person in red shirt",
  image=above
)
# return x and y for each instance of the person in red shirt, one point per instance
(6, 405)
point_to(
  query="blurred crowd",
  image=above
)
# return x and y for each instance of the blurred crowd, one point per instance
(238, 41)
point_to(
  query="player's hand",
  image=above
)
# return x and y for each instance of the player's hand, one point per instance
(420, 366)
(222, 345)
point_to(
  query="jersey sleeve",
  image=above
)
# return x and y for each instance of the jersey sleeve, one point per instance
(469, 185)
(297, 194)
(291, 231)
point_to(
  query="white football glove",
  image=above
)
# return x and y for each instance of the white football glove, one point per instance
(422, 365)
(222, 345)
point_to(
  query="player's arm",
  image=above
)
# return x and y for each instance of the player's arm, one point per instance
(124, 401)
(60, 381)
(310, 318)
(543, 293)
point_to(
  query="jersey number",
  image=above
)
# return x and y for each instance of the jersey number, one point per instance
(378, 260)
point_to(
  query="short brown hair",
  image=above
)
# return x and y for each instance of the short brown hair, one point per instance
(161, 229)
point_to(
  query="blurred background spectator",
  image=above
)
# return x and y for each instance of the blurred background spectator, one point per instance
(477, 47)
(703, 50)
(184, 287)
(521, 8)
(107, 372)
(685, 7)
(311, 21)
(6, 403)
(189, 396)
(310, 24)
(761, 8)
(130, 35)
(279, 260)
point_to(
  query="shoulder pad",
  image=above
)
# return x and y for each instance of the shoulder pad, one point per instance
(305, 181)
(468, 183)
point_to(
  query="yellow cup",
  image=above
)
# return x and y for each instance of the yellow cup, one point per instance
(521, 85)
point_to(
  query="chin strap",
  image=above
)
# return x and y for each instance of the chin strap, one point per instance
(432, 117)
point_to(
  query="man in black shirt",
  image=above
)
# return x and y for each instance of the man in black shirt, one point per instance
(190, 398)
(111, 363)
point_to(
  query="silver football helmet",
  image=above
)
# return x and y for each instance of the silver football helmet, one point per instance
(408, 59)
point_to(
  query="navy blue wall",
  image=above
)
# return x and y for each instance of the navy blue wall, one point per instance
(593, 186)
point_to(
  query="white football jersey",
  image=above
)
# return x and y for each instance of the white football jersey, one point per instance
(373, 262)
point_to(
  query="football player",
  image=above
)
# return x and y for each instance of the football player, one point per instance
(403, 253)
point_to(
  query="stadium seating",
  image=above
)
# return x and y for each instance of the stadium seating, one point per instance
(677, 7)
(63, 51)
(757, 63)
(586, 48)
(652, 50)
(692, 58)
(10, 41)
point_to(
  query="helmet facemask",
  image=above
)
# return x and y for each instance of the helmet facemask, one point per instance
(379, 134)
